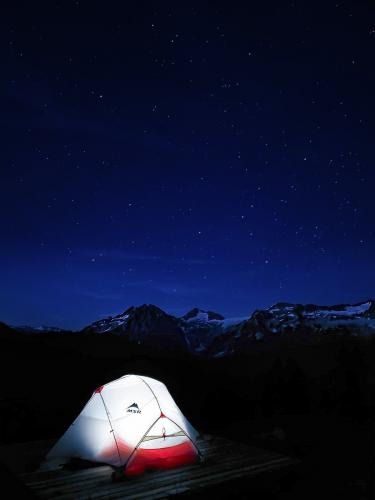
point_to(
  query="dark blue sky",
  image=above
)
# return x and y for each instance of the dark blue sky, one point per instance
(217, 155)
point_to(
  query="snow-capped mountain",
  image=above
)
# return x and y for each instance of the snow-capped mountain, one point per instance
(208, 333)
(202, 316)
(304, 322)
(283, 316)
(146, 324)
(201, 327)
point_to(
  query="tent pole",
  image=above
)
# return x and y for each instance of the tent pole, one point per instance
(112, 430)
(139, 442)
(186, 434)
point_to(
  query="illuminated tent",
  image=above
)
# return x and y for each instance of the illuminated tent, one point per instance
(132, 422)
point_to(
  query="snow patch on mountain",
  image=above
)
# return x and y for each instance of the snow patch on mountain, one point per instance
(229, 322)
(201, 327)
(351, 310)
(281, 316)
(300, 322)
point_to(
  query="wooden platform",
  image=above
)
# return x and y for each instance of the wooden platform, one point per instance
(224, 461)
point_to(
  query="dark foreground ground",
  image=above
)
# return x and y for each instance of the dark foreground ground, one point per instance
(315, 403)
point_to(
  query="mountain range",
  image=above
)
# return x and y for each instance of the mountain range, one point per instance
(209, 333)
(298, 323)
(150, 325)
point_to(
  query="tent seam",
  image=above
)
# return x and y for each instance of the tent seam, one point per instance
(161, 411)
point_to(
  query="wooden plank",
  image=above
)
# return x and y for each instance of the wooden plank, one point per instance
(167, 488)
(208, 480)
(141, 481)
(149, 481)
(86, 476)
(211, 481)
(207, 447)
(71, 491)
(197, 474)
(91, 484)
(72, 475)
(107, 470)
(225, 461)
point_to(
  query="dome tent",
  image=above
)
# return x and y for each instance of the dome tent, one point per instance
(131, 423)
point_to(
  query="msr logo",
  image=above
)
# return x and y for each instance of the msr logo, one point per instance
(133, 408)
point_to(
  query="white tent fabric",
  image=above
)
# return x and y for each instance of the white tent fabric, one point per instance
(132, 422)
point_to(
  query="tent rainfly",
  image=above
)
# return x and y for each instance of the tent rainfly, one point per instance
(131, 423)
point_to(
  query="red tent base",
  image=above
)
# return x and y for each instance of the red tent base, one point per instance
(161, 458)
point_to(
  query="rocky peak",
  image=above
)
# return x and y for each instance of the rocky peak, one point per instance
(201, 315)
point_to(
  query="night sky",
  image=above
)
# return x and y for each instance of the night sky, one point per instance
(208, 154)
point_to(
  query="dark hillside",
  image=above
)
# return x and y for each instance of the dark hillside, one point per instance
(312, 401)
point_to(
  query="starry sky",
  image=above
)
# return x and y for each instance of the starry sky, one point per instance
(185, 154)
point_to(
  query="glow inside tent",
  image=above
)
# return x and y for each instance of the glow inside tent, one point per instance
(132, 422)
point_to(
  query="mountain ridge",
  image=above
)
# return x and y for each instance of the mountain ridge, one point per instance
(297, 322)
(205, 332)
